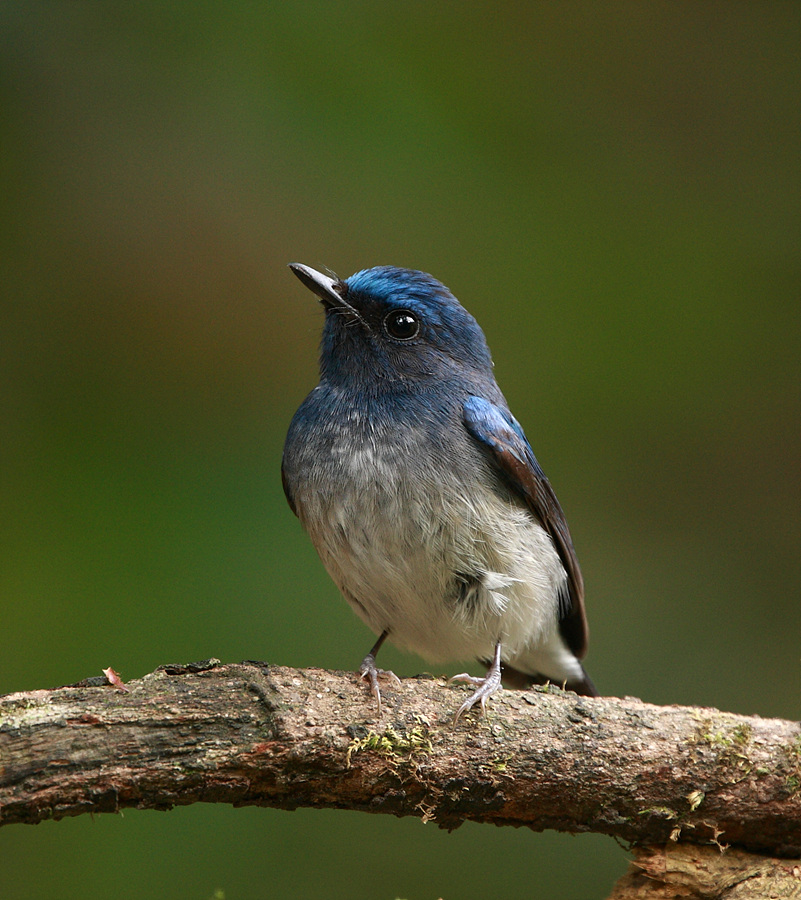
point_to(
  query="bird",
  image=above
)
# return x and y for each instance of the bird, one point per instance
(421, 493)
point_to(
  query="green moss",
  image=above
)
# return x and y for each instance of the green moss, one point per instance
(730, 744)
(391, 743)
(663, 812)
(722, 739)
(793, 752)
(695, 799)
(500, 764)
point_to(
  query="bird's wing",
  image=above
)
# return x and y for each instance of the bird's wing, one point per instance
(498, 430)
(287, 492)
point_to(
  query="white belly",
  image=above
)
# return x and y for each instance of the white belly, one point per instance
(396, 547)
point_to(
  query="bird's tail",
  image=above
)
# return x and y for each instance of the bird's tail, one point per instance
(514, 678)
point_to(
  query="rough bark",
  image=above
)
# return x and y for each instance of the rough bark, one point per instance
(690, 872)
(281, 737)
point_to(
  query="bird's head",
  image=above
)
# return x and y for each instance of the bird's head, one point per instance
(394, 324)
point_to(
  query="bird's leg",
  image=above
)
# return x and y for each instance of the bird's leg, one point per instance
(369, 671)
(485, 686)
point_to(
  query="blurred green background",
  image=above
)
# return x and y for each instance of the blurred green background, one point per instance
(612, 189)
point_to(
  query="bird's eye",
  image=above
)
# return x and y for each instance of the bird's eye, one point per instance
(402, 325)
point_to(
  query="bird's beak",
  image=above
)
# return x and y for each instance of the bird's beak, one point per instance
(329, 290)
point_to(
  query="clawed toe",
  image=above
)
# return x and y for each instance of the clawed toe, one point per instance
(470, 679)
(368, 670)
(485, 687)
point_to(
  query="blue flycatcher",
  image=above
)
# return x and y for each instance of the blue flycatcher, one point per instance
(422, 495)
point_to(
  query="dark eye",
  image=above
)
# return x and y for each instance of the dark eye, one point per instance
(401, 324)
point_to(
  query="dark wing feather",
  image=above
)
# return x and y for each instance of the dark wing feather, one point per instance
(499, 431)
(287, 492)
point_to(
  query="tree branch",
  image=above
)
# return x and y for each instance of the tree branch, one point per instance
(281, 737)
(690, 872)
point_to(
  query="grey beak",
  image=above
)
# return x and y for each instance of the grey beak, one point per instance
(329, 290)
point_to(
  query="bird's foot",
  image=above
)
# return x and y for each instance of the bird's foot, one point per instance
(486, 686)
(369, 671)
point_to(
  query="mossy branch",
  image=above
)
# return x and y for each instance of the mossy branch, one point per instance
(281, 737)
